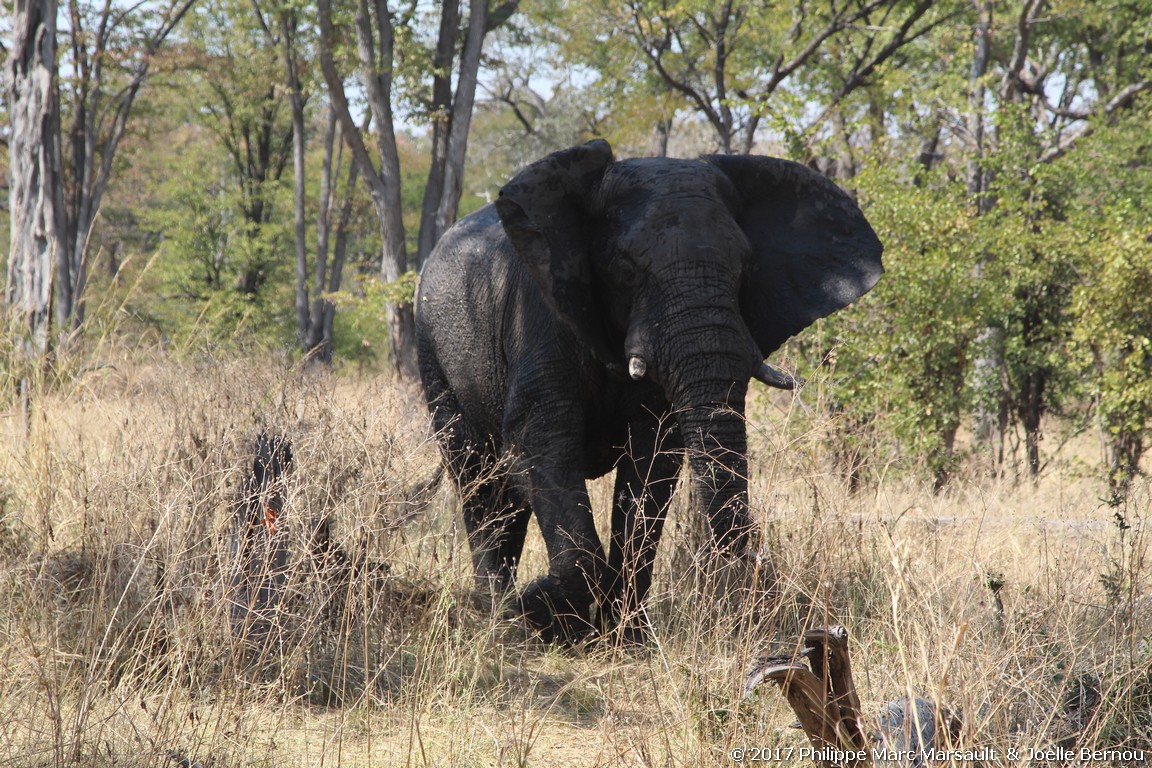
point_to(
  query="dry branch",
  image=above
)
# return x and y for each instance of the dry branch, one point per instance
(824, 697)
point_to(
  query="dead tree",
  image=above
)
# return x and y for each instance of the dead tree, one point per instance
(823, 695)
(259, 549)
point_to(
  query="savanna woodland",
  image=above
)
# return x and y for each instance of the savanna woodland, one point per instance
(217, 215)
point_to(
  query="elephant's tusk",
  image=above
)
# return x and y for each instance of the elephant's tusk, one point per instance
(637, 367)
(774, 377)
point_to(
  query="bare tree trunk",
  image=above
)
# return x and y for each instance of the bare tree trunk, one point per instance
(462, 117)
(929, 154)
(317, 335)
(441, 125)
(974, 120)
(991, 413)
(1124, 451)
(35, 198)
(303, 319)
(312, 336)
(658, 139)
(288, 28)
(845, 161)
(339, 254)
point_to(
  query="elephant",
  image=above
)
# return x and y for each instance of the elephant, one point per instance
(608, 315)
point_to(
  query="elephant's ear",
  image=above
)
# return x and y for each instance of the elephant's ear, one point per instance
(813, 252)
(546, 212)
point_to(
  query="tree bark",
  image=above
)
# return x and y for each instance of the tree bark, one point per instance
(991, 412)
(317, 335)
(375, 38)
(289, 25)
(441, 112)
(36, 203)
(336, 271)
(461, 117)
(312, 337)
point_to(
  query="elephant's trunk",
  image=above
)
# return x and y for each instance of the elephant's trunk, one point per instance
(703, 356)
(716, 440)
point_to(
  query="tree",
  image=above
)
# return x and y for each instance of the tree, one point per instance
(1062, 70)
(66, 131)
(287, 29)
(36, 199)
(902, 357)
(377, 32)
(532, 102)
(315, 323)
(740, 64)
(235, 78)
(1112, 303)
(109, 55)
(997, 108)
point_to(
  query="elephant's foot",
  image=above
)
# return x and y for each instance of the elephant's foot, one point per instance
(633, 633)
(554, 613)
(745, 585)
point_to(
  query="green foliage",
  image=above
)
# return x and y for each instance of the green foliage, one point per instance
(1112, 304)
(903, 354)
(217, 273)
(1028, 251)
(1013, 205)
(362, 335)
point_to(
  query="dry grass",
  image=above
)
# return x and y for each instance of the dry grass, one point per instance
(115, 649)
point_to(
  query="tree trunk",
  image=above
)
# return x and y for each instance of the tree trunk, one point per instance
(441, 125)
(982, 37)
(461, 117)
(312, 336)
(317, 336)
(303, 318)
(336, 270)
(929, 146)
(288, 29)
(1124, 451)
(658, 139)
(375, 39)
(35, 198)
(991, 413)
(1031, 407)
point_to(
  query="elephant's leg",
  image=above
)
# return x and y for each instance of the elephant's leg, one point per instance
(495, 513)
(496, 518)
(645, 482)
(558, 605)
(544, 432)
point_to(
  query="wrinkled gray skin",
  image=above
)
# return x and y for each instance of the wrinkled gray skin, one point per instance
(608, 315)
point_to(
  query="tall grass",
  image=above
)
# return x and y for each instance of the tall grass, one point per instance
(1025, 608)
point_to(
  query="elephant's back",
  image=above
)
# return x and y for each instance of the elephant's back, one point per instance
(465, 253)
(466, 278)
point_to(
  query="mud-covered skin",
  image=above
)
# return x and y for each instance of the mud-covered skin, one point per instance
(536, 316)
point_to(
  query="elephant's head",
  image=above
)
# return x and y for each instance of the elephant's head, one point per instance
(689, 273)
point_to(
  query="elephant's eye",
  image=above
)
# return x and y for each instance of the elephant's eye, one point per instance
(626, 272)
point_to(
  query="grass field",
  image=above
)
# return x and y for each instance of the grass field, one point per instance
(117, 489)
